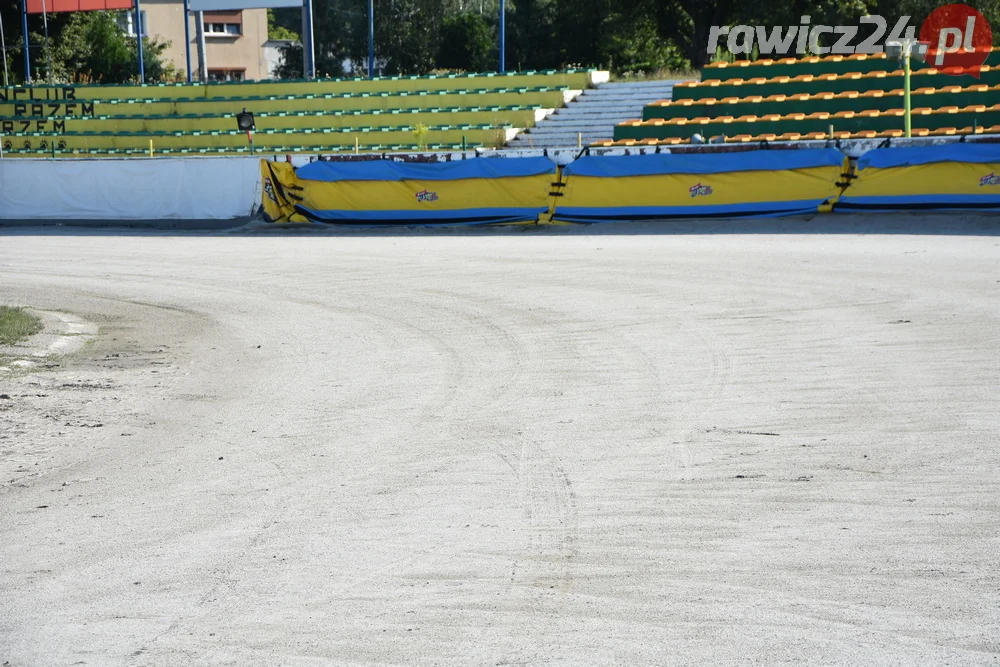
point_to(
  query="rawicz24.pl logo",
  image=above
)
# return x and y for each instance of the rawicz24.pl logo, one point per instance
(956, 35)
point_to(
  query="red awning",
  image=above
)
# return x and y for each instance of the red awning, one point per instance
(35, 6)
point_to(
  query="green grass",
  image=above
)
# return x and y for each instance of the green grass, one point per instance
(16, 324)
(657, 75)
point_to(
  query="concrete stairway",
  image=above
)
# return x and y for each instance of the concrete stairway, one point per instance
(594, 114)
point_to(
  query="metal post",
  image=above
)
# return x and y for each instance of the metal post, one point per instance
(24, 28)
(138, 33)
(906, 89)
(503, 35)
(371, 39)
(3, 47)
(199, 18)
(309, 45)
(187, 38)
(48, 51)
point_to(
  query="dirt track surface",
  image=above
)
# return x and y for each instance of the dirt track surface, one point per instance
(504, 449)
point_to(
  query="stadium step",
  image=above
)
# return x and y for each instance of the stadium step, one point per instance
(593, 115)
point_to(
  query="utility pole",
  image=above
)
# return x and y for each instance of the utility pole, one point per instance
(199, 17)
(371, 39)
(187, 38)
(3, 47)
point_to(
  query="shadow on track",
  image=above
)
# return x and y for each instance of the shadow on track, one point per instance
(916, 223)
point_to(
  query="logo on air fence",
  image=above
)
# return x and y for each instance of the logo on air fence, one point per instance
(426, 195)
(989, 179)
(699, 190)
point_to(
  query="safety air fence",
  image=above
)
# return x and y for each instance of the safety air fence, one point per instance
(503, 188)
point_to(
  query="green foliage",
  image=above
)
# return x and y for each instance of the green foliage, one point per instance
(466, 43)
(420, 135)
(279, 30)
(91, 47)
(407, 35)
(633, 38)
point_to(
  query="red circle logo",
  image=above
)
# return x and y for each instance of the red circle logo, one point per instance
(957, 36)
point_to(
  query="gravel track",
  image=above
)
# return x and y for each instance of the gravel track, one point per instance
(505, 448)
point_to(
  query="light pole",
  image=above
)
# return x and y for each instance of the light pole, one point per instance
(503, 36)
(3, 48)
(371, 39)
(902, 50)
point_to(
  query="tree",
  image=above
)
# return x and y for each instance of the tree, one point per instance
(278, 29)
(466, 43)
(407, 36)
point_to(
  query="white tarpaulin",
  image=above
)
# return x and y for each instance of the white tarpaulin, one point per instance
(190, 188)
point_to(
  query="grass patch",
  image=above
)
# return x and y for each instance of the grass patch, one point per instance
(16, 324)
(664, 74)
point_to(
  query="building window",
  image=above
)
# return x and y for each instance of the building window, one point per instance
(225, 74)
(224, 24)
(224, 29)
(126, 21)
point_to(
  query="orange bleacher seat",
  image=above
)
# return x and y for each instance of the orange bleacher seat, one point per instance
(741, 137)
(845, 114)
(890, 133)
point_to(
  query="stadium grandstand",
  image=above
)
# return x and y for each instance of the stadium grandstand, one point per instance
(859, 96)
(435, 112)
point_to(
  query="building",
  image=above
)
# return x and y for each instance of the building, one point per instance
(236, 42)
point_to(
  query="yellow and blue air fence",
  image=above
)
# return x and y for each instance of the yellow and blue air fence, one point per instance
(950, 176)
(755, 183)
(386, 192)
